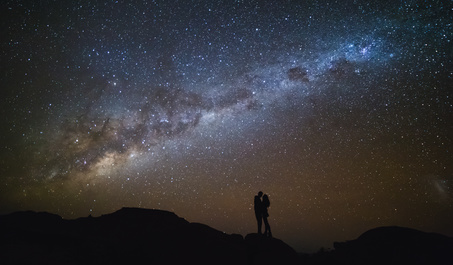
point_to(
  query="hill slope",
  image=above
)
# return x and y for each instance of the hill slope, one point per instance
(143, 236)
(130, 236)
(395, 245)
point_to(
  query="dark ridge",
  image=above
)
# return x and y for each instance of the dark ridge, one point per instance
(31, 219)
(144, 236)
(130, 236)
(396, 245)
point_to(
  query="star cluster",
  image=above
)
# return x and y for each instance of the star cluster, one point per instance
(341, 111)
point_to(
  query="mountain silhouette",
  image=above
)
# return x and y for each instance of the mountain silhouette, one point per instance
(130, 236)
(395, 245)
(144, 236)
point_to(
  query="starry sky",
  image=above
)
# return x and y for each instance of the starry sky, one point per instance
(340, 111)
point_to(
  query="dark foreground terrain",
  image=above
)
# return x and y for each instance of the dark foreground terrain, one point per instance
(142, 236)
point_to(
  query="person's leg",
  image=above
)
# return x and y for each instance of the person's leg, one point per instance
(269, 233)
(259, 221)
(266, 226)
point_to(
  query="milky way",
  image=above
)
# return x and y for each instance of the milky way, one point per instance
(341, 111)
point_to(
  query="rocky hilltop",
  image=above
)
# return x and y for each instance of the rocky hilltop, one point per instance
(131, 236)
(144, 236)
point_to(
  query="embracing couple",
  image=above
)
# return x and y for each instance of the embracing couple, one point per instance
(261, 213)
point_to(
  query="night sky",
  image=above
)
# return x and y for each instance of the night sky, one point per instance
(340, 111)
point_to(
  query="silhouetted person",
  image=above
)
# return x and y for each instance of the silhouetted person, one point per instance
(258, 206)
(267, 228)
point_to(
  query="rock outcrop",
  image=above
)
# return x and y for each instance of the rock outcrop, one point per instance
(130, 236)
(396, 245)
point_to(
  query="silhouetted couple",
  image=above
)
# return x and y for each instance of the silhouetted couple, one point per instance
(261, 213)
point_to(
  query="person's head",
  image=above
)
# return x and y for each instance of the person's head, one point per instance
(260, 193)
(265, 198)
